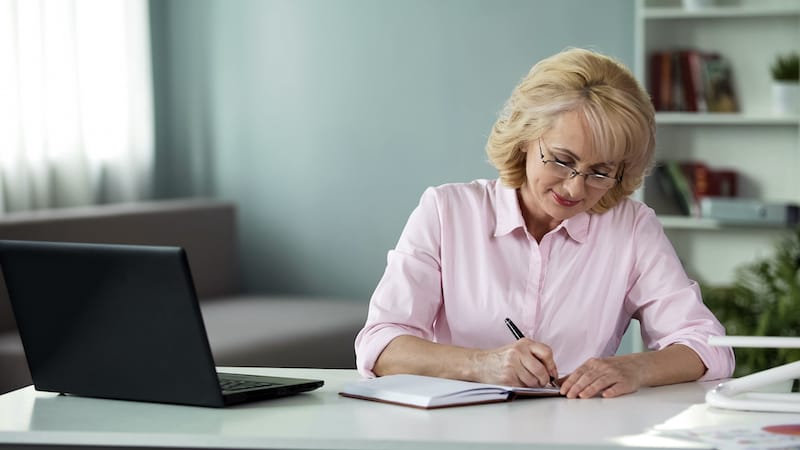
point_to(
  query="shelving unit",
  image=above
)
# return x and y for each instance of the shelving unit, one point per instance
(687, 118)
(764, 148)
(677, 11)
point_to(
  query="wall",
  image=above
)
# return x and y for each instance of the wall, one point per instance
(325, 120)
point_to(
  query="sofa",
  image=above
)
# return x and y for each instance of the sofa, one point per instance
(244, 329)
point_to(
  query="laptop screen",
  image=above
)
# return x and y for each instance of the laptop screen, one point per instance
(113, 321)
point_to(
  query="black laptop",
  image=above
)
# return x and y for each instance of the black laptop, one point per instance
(120, 322)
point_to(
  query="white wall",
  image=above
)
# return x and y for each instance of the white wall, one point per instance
(324, 120)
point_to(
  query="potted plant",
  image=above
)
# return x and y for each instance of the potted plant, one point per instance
(786, 83)
(763, 301)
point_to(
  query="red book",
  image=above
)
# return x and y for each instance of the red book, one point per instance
(705, 182)
(727, 183)
(665, 81)
(699, 177)
(655, 81)
(688, 81)
(696, 71)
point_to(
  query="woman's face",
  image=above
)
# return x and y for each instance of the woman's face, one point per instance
(550, 198)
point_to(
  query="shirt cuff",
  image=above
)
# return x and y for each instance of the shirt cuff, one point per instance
(370, 346)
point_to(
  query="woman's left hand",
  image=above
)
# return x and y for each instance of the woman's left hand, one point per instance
(610, 377)
(623, 374)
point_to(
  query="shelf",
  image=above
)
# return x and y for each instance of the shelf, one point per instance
(720, 12)
(686, 118)
(695, 223)
(749, 33)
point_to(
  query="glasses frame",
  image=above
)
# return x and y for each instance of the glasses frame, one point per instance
(588, 178)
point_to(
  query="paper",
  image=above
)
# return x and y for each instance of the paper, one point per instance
(431, 392)
(744, 437)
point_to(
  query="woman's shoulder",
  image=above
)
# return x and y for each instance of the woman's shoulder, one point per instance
(474, 190)
(629, 224)
(629, 213)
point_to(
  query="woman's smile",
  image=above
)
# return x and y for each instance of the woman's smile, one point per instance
(564, 201)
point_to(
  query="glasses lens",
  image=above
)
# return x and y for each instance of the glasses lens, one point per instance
(596, 181)
(560, 170)
(600, 182)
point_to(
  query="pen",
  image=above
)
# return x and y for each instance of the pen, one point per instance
(518, 334)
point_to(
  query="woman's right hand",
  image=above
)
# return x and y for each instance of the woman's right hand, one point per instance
(522, 363)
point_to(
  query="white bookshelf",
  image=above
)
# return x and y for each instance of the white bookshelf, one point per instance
(681, 118)
(772, 9)
(763, 147)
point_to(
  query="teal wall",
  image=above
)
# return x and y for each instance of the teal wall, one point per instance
(324, 120)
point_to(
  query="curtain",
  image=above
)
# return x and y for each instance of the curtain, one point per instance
(76, 103)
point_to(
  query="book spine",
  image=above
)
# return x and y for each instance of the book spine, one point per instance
(687, 81)
(718, 84)
(665, 81)
(654, 78)
(681, 188)
(696, 70)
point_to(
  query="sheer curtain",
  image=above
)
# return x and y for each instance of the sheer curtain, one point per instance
(76, 106)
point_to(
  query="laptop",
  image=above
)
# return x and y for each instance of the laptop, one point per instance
(121, 322)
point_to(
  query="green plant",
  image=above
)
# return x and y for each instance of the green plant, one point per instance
(764, 301)
(786, 67)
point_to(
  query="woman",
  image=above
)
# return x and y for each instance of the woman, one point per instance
(555, 244)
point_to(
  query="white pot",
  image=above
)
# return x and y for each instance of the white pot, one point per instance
(786, 97)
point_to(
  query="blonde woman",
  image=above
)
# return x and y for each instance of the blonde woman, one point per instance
(555, 244)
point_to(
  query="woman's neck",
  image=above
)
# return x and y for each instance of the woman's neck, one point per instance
(536, 221)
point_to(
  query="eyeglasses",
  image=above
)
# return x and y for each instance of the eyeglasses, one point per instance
(561, 170)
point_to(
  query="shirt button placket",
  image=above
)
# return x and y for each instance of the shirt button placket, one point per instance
(533, 290)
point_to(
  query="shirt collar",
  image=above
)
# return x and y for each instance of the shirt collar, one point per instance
(509, 216)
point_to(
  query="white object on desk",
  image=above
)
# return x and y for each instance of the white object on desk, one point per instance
(738, 393)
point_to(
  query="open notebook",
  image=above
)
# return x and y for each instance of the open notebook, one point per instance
(430, 392)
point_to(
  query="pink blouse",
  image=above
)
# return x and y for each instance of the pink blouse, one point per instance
(465, 262)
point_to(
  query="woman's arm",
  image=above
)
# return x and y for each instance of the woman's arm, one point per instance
(618, 375)
(522, 363)
(674, 321)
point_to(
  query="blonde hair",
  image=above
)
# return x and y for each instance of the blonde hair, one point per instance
(616, 109)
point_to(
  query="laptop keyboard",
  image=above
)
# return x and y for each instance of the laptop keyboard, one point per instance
(229, 385)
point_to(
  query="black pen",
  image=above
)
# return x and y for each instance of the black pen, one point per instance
(518, 334)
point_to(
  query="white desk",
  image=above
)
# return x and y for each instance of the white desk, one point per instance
(323, 420)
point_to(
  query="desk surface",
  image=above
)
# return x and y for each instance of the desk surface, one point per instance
(324, 420)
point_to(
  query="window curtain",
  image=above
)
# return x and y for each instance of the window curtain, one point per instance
(76, 103)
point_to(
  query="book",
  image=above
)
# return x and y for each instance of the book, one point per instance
(425, 392)
(660, 79)
(661, 192)
(688, 79)
(688, 182)
(718, 84)
(674, 78)
(677, 101)
(749, 211)
(681, 188)
(706, 182)
(726, 183)
(654, 81)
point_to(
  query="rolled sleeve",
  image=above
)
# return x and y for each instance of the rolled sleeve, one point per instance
(670, 307)
(409, 295)
(692, 322)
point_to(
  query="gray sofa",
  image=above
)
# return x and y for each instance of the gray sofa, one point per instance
(243, 329)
